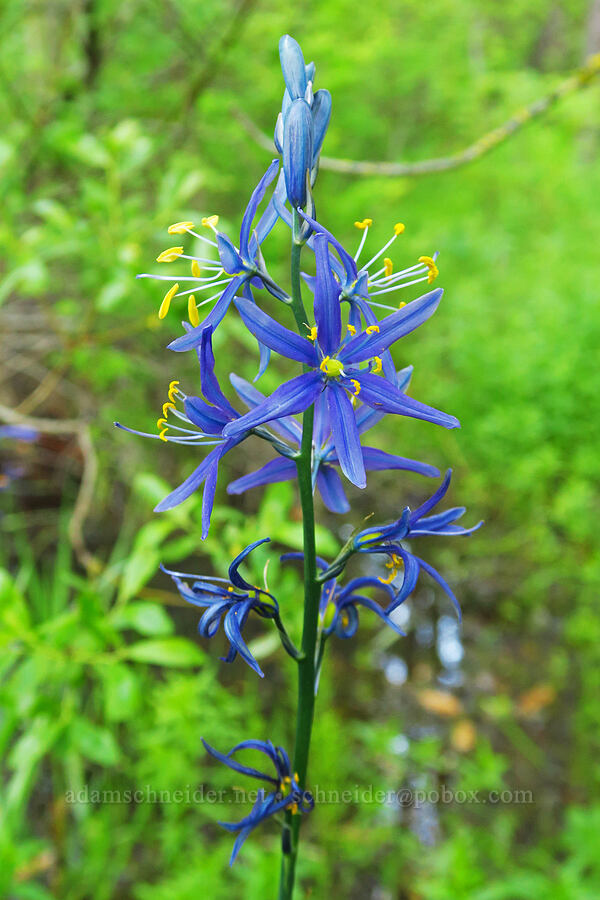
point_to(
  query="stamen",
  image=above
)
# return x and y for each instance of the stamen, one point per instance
(433, 269)
(377, 368)
(351, 329)
(395, 564)
(388, 266)
(161, 435)
(364, 224)
(196, 270)
(169, 255)
(164, 306)
(180, 227)
(357, 386)
(312, 336)
(399, 228)
(166, 407)
(210, 222)
(372, 329)
(173, 390)
(193, 311)
(161, 423)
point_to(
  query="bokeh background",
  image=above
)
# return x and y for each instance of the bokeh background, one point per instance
(119, 118)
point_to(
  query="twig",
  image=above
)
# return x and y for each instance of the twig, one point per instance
(580, 79)
(85, 494)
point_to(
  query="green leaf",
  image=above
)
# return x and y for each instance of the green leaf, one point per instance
(175, 651)
(94, 742)
(147, 618)
(121, 692)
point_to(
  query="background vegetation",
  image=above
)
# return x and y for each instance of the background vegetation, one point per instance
(122, 117)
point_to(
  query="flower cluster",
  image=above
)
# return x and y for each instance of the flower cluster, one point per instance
(347, 384)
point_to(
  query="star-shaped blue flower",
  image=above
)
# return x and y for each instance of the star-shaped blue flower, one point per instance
(233, 598)
(333, 361)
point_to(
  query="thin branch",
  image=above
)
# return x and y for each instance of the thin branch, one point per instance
(580, 79)
(85, 494)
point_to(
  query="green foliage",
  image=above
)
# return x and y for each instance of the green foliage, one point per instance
(102, 687)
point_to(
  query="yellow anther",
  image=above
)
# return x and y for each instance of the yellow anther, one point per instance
(312, 336)
(230, 589)
(364, 224)
(388, 266)
(378, 365)
(351, 329)
(399, 228)
(180, 227)
(196, 270)
(357, 386)
(193, 311)
(345, 619)
(403, 303)
(294, 808)
(169, 255)
(372, 329)
(332, 367)
(433, 269)
(210, 222)
(296, 776)
(395, 564)
(164, 306)
(162, 433)
(173, 390)
(166, 407)
(287, 780)
(161, 423)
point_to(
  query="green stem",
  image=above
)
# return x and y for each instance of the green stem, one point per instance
(312, 593)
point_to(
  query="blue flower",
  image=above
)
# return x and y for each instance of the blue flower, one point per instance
(237, 269)
(284, 790)
(203, 423)
(386, 540)
(19, 433)
(338, 609)
(234, 598)
(325, 476)
(333, 361)
(301, 125)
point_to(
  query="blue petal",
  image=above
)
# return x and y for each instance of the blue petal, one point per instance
(347, 260)
(321, 114)
(287, 428)
(208, 496)
(327, 309)
(331, 489)
(192, 338)
(435, 498)
(234, 576)
(257, 195)
(292, 66)
(262, 746)
(364, 346)
(274, 471)
(206, 416)
(409, 580)
(208, 380)
(297, 151)
(191, 484)
(378, 460)
(443, 584)
(292, 397)
(379, 393)
(345, 434)
(234, 636)
(276, 336)
(231, 260)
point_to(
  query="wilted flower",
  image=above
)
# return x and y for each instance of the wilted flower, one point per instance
(285, 791)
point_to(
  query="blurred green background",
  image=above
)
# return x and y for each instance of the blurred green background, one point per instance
(119, 118)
